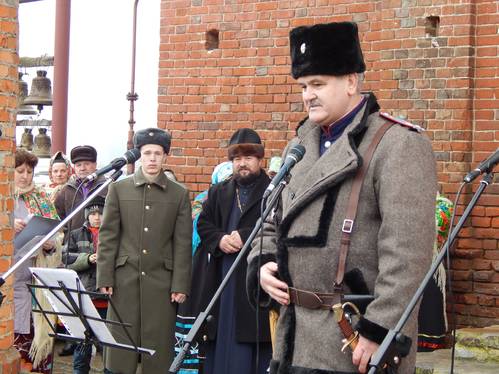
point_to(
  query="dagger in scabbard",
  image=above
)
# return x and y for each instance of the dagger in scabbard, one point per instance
(351, 337)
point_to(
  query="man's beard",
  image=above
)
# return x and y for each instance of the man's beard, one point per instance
(246, 180)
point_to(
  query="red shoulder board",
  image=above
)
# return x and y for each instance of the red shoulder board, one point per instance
(402, 122)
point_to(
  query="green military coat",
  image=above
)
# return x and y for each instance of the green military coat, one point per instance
(145, 255)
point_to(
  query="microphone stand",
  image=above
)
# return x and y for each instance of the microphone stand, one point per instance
(394, 337)
(175, 366)
(54, 231)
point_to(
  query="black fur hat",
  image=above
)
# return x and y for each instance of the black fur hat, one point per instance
(83, 153)
(326, 49)
(152, 135)
(245, 142)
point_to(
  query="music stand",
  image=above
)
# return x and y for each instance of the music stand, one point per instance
(73, 305)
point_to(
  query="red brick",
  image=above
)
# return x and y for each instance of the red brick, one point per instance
(234, 96)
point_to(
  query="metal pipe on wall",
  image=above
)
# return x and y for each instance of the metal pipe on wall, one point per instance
(132, 96)
(61, 75)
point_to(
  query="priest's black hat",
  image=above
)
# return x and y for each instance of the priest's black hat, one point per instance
(245, 142)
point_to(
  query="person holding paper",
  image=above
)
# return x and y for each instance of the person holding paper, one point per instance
(31, 337)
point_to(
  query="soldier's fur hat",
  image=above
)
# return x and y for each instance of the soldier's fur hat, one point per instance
(152, 135)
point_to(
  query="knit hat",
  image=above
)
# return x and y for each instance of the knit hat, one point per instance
(152, 135)
(326, 49)
(245, 142)
(96, 205)
(83, 153)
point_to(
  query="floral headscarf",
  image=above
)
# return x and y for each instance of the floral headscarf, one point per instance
(443, 215)
(221, 172)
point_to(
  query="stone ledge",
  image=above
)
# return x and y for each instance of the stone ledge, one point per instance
(438, 362)
(481, 344)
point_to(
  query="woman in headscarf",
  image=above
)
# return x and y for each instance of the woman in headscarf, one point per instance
(59, 172)
(186, 315)
(221, 172)
(432, 318)
(31, 330)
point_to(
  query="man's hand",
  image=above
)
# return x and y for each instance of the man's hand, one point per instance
(277, 289)
(107, 290)
(92, 259)
(363, 353)
(229, 245)
(236, 238)
(177, 297)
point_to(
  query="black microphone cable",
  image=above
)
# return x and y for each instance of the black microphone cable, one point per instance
(259, 264)
(70, 222)
(449, 281)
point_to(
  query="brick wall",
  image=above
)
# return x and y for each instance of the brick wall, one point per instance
(9, 358)
(433, 62)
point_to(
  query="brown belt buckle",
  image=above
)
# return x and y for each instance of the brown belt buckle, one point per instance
(304, 298)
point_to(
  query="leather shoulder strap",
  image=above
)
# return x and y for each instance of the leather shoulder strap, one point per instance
(353, 203)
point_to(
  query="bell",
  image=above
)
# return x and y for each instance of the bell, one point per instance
(21, 96)
(41, 91)
(41, 147)
(27, 139)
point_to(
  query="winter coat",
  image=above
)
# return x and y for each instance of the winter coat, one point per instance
(211, 226)
(145, 255)
(64, 200)
(391, 242)
(78, 249)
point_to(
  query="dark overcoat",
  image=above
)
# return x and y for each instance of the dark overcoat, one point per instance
(391, 242)
(211, 227)
(145, 254)
(70, 196)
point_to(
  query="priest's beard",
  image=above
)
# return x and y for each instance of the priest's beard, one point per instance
(246, 180)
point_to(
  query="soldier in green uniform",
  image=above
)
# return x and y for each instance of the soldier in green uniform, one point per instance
(144, 259)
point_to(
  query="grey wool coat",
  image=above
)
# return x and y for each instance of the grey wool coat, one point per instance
(145, 254)
(391, 242)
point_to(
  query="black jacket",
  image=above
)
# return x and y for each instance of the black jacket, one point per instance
(211, 227)
(78, 249)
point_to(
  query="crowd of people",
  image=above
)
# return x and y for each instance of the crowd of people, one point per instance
(160, 257)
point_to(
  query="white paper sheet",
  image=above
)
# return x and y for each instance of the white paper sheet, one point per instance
(75, 327)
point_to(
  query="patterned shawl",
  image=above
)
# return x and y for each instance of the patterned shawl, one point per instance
(38, 203)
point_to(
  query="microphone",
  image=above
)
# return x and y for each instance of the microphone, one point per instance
(485, 167)
(295, 155)
(129, 157)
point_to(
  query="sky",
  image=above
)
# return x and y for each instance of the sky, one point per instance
(99, 67)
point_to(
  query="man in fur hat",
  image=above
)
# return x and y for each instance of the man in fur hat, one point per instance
(386, 244)
(84, 159)
(228, 217)
(144, 259)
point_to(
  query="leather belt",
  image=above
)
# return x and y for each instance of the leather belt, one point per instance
(313, 300)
